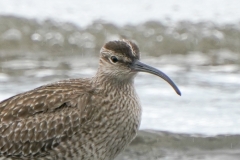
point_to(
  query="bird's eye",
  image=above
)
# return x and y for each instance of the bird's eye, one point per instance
(114, 59)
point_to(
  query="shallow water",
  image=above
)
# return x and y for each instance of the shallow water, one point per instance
(127, 12)
(209, 103)
(33, 54)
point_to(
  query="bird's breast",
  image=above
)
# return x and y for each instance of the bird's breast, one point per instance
(116, 119)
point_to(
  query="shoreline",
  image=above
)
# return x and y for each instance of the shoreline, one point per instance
(152, 145)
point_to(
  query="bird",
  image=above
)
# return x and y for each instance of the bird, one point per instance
(78, 119)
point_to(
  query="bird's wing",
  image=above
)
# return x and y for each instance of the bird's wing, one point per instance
(34, 122)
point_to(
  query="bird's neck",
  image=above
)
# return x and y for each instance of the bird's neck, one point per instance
(109, 83)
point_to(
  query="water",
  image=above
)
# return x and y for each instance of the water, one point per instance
(209, 103)
(85, 12)
(198, 46)
(201, 54)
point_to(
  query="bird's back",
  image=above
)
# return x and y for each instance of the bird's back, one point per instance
(71, 119)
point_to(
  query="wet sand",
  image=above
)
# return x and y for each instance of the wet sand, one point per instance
(154, 145)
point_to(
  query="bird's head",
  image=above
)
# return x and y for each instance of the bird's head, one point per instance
(119, 60)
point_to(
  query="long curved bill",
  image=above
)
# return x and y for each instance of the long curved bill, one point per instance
(141, 67)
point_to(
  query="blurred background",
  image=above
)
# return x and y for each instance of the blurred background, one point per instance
(196, 43)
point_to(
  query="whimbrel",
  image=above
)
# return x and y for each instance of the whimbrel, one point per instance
(78, 119)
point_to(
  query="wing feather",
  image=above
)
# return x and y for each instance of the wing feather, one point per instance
(34, 122)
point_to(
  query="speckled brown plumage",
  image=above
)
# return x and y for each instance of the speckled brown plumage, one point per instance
(79, 119)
